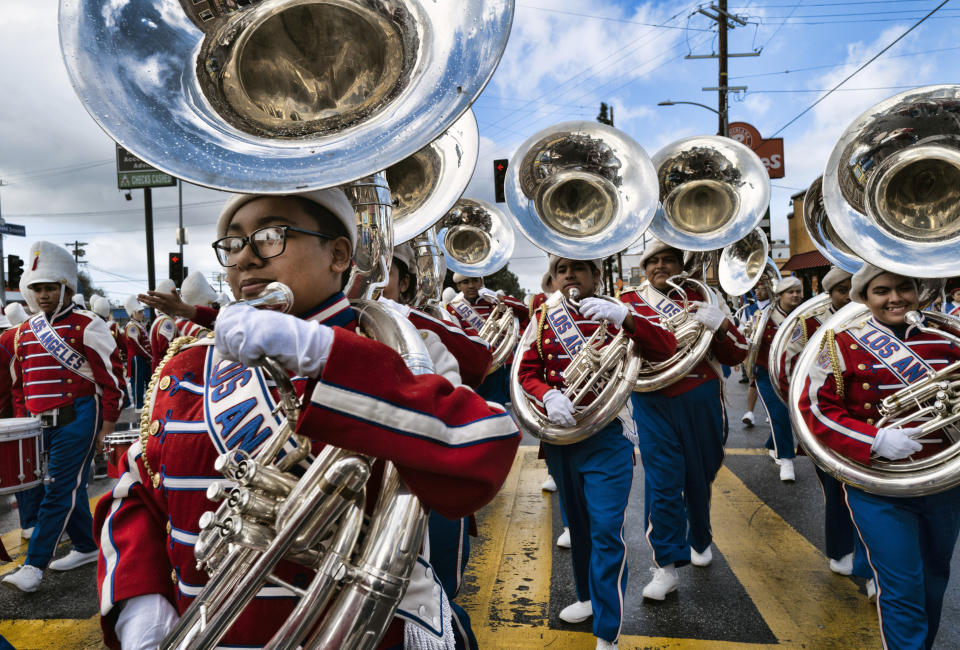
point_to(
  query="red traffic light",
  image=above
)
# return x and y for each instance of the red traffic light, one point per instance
(500, 167)
(174, 259)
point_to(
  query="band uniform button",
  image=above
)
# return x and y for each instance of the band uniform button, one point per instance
(69, 394)
(866, 386)
(868, 405)
(173, 576)
(861, 366)
(155, 428)
(169, 528)
(69, 381)
(422, 611)
(553, 373)
(165, 382)
(854, 346)
(870, 421)
(549, 357)
(547, 341)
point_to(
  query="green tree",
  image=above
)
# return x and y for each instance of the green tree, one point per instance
(86, 287)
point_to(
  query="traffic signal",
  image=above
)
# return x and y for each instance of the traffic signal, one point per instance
(176, 269)
(499, 173)
(14, 271)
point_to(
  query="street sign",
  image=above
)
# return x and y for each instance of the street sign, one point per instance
(770, 150)
(133, 173)
(13, 229)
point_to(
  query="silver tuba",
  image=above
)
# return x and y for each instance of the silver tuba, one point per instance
(817, 307)
(770, 277)
(582, 190)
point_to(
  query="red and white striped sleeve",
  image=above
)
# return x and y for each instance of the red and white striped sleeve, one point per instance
(100, 349)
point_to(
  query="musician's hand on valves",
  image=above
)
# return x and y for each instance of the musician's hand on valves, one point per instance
(489, 295)
(895, 443)
(559, 409)
(393, 304)
(711, 317)
(600, 309)
(247, 335)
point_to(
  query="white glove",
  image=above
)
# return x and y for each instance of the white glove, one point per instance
(247, 335)
(488, 294)
(559, 408)
(598, 309)
(393, 304)
(444, 363)
(711, 317)
(895, 443)
(143, 621)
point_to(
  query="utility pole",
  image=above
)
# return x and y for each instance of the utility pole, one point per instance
(77, 251)
(725, 21)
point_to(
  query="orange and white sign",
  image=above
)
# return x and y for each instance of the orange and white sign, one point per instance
(770, 150)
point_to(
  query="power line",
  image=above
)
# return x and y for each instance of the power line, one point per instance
(609, 18)
(863, 20)
(839, 65)
(840, 90)
(96, 213)
(852, 74)
(829, 4)
(859, 13)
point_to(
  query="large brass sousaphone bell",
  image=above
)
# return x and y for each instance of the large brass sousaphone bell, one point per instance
(277, 96)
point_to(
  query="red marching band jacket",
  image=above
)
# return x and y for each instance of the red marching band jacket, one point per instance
(472, 353)
(452, 449)
(162, 332)
(868, 361)
(558, 331)
(801, 333)
(138, 343)
(48, 373)
(6, 372)
(467, 313)
(729, 348)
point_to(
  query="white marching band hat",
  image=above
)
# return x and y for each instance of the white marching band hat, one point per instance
(333, 199)
(47, 262)
(132, 305)
(100, 306)
(656, 246)
(15, 313)
(787, 283)
(197, 291)
(835, 276)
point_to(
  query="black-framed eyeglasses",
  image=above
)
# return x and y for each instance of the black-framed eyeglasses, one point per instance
(265, 242)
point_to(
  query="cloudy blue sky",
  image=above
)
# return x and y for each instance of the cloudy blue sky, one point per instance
(564, 57)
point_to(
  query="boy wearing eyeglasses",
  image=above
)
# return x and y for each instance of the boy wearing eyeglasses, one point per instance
(452, 449)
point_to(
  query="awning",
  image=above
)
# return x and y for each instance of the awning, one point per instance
(808, 260)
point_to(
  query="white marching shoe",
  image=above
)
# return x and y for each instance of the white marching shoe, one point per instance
(786, 470)
(664, 581)
(564, 540)
(747, 419)
(549, 485)
(871, 590)
(843, 566)
(773, 455)
(701, 559)
(26, 533)
(27, 578)
(577, 612)
(72, 560)
(603, 644)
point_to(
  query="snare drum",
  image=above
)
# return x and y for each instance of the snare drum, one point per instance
(115, 446)
(21, 454)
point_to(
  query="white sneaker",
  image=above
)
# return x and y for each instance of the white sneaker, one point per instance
(603, 644)
(549, 485)
(843, 566)
(871, 590)
(72, 560)
(26, 533)
(577, 612)
(701, 559)
(664, 581)
(786, 470)
(773, 455)
(564, 540)
(27, 578)
(747, 419)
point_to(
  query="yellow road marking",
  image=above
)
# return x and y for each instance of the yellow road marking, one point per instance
(17, 546)
(803, 603)
(53, 634)
(746, 451)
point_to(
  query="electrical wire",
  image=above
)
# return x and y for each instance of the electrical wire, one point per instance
(609, 18)
(839, 65)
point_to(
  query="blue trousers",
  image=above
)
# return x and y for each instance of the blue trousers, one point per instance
(781, 433)
(139, 379)
(28, 504)
(496, 386)
(449, 554)
(593, 480)
(837, 525)
(909, 542)
(681, 447)
(65, 506)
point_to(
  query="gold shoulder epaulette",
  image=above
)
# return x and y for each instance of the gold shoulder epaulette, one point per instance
(830, 342)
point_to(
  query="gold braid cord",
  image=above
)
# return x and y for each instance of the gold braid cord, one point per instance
(803, 329)
(175, 346)
(829, 341)
(540, 325)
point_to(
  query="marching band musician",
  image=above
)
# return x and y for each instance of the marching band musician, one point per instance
(193, 309)
(838, 529)
(750, 312)
(788, 295)
(138, 351)
(163, 329)
(909, 540)
(682, 428)
(67, 373)
(28, 501)
(452, 449)
(472, 305)
(460, 358)
(546, 288)
(594, 475)
(101, 307)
